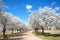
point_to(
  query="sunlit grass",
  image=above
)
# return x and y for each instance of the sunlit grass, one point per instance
(49, 35)
(52, 38)
(8, 33)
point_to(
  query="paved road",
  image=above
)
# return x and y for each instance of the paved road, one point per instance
(25, 36)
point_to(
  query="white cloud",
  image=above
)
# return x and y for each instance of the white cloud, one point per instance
(57, 8)
(53, 3)
(28, 7)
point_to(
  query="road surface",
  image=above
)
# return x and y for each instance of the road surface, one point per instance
(25, 36)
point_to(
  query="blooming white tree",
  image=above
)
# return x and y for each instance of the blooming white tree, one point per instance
(9, 22)
(45, 18)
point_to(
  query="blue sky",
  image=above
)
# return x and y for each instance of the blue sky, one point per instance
(22, 8)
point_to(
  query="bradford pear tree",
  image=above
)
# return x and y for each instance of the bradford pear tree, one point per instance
(9, 22)
(3, 20)
(44, 18)
(34, 21)
(22, 26)
(13, 23)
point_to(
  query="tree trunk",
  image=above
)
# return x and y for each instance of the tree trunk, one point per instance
(12, 32)
(42, 30)
(20, 30)
(17, 30)
(4, 30)
(36, 30)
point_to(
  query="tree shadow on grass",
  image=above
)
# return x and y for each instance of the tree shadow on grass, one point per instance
(19, 37)
(48, 34)
(6, 37)
(16, 35)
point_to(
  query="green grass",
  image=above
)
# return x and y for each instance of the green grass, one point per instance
(52, 38)
(49, 35)
(8, 34)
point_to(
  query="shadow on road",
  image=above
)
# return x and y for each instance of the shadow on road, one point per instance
(18, 37)
(15, 36)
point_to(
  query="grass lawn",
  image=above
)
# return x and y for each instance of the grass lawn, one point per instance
(49, 35)
(8, 34)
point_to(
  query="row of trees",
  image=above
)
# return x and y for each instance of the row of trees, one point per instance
(44, 18)
(10, 22)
